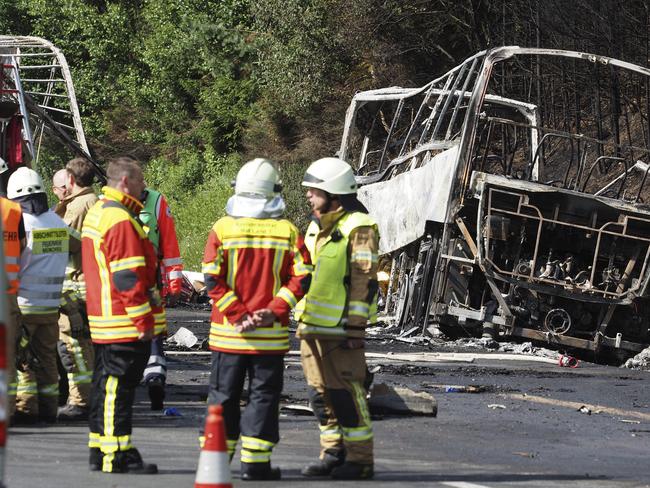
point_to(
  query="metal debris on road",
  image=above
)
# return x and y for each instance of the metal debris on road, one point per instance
(568, 361)
(297, 409)
(496, 406)
(172, 412)
(184, 338)
(640, 361)
(389, 399)
(460, 388)
(525, 454)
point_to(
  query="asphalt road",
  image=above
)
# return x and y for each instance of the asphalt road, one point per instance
(534, 436)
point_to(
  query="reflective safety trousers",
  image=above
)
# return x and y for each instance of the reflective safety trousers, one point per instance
(327, 303)
(43, 263)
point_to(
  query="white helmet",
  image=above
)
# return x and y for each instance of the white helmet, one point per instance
(3, 166)
(258, 177)
(331, 175)
(24, 181)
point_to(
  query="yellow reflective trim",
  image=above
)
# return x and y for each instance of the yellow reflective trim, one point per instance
(116, 320)
(104, 278)
(37, 309)
(231, 444)
(256, 243)
(363, 255)
(255, 456)
(139, 310)
(277, 330)
(232, 268)
(90, 233)
(225, 301)
(351, 435)
(278, 258)
(307, 329)
(243, 345)
(358, 308)
(255, 443)
(80, 378)
(79, 360)
(49, 390)
(362, 404)
(327, 432)
(93, 440)
(127, 263)
(288, 296)
(109, 411)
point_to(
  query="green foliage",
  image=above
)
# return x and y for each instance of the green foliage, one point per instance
(195, 86)
(302, 53)
(197, 189)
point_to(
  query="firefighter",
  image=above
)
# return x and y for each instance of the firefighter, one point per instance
(124, 312)
(42, 270)
(75, 347)
(255, 265)
(157, 221)
(13, 234)
(340, 303)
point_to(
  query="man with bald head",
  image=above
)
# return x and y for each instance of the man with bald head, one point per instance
(73, 186)
(59, 181)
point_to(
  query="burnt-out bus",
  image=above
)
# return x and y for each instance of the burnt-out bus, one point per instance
(512, 197)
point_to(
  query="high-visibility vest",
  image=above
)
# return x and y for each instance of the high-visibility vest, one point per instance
(310, 243)
(43, 263)
(149, 217)
(326, 302)
(11, 214)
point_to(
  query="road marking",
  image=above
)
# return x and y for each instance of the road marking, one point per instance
(463, 484)
(577, 405)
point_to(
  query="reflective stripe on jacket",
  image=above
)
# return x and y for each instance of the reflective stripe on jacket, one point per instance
(158, 223)
(43, 263)
(251, 264)
(342, 296)
(11, 215)
(119, 264)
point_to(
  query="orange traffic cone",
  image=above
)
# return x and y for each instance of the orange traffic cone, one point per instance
(214, 463)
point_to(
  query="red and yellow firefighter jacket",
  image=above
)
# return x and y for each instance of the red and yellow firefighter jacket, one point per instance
(120, 265)
(251, 264)
(158, 222)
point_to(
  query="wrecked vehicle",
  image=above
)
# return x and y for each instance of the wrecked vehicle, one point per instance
(37, 103)
(512, 197)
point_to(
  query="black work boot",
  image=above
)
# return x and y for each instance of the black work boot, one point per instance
(259, 472)
(324, 466)
(353, 471)
(22, 418)
(72, 413)
(156, 393)
(95, 459)
(130, 461)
